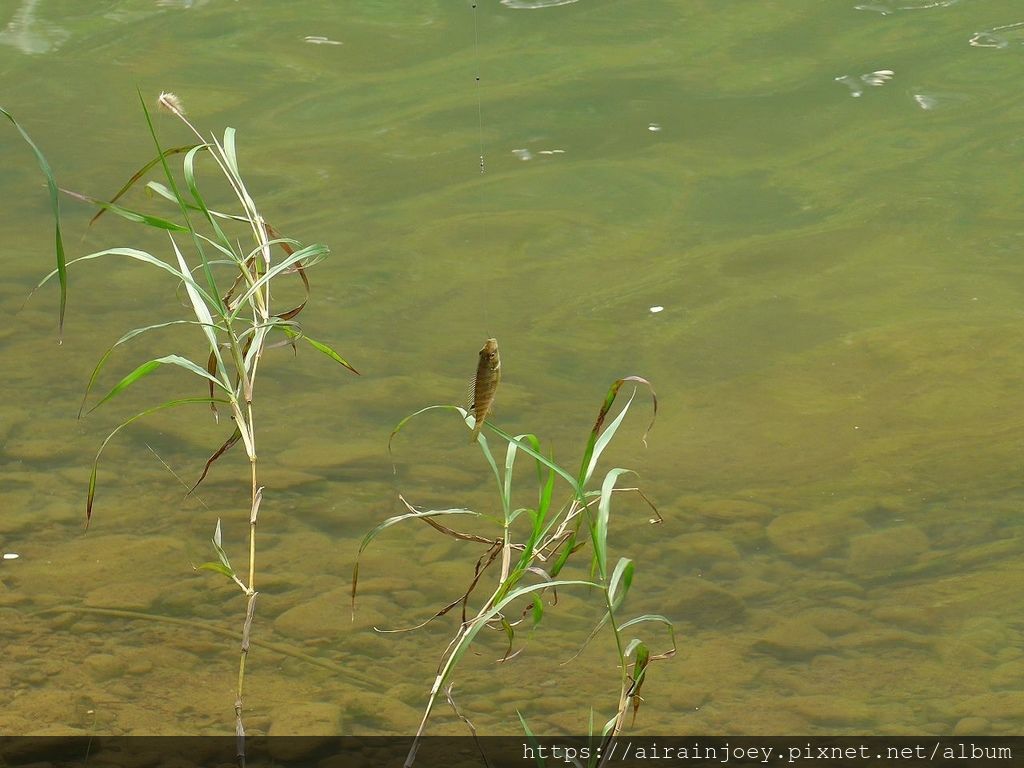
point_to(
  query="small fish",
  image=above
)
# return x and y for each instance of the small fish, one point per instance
(485, 384)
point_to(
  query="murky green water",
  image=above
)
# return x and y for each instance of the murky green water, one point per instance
(826, 199)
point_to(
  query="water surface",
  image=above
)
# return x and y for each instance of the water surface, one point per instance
(824, 198)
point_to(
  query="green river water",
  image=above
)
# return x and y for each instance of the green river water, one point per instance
(826, 200)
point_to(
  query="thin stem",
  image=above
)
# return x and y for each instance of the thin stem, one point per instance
(256, 498)
(506, 553)
(239, 728)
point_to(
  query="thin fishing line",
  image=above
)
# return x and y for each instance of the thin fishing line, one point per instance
(480, 128)
(479, 97)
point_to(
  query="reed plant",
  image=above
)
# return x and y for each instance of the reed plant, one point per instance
(230, 290)
(532, 547)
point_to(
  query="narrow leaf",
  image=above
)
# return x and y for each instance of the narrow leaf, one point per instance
(654, 618)
(528, 449)
(201, 310)
(622, 575)
(126, 213)
(600, 529)
(310, 254)
(131, 253)
(232, 439)
(190, 180)
(586, 465)
(218, 567)
(643, 657)
(148, 367)
(51, 185)
(377, 529)
(317, 345)
(125, 338)
(606, 437)
(139, 174)
(536, 752)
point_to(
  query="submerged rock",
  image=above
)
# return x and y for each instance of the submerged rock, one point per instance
(793, 639)
(881, 552)
(808, 534)
(702, 603)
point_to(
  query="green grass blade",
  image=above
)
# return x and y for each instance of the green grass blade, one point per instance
(478, 623)
(547, 488)
(563, 557)
(510, 458)
(51, 186)
(529, 450)
(538, 517)
(468, 634)
(127, 213)
(622, 575)
(377, 529)
(229, 165)
(137, 255)
(139, 174)
(654, 618)
(643, 658)
(217, 568)
(537, 752)
(230, 155)
(398, 428)
(218, 547)
(586, 466)
(213, 298)
(306, 257)
(600, 528)
(505, 489)
(163, 191)
(106, 355)
(485, 449)
(255, 349)
(162, 158)
(202, 312)
(605, 438)
(188, 168)
(463, 413)
(319, 346)
(609, 726)
(232, 257)
(151, 365)
(538, 610)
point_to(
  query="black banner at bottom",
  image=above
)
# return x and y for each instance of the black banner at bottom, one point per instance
(507, 751)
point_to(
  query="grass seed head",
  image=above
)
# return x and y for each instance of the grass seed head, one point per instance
(171, 103)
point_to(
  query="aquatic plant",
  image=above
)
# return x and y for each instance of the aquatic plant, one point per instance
(229, 291)
(550, 535)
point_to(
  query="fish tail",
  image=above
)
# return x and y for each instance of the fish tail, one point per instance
(479, 423)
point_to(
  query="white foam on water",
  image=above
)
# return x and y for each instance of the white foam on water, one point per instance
(532, 5)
